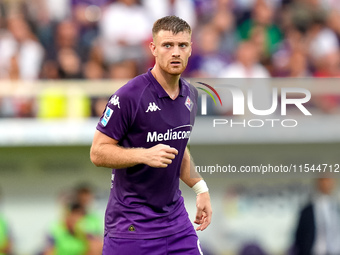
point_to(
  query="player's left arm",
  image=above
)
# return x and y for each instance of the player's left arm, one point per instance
(194, 180)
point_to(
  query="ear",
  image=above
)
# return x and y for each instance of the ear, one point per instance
(190, 49)
(152, 47)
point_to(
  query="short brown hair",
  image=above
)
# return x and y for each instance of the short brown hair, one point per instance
(171, 23)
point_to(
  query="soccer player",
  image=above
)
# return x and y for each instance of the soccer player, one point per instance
(66, 237)
(91, 223)
(143, 135)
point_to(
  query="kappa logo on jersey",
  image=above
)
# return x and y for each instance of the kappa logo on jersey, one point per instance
(188, 103)
(152, 107)
(115, 100)
(107, 116)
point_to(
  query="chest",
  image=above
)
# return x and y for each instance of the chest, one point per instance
(163, 119)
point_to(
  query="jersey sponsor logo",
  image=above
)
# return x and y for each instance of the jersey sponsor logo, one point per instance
(170, 134)
(107, 116)
(152, 107)
(188, 103)
(115, 100)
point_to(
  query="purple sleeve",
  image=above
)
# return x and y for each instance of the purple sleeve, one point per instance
(117, 116)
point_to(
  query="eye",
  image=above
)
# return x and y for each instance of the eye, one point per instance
(167, 46)
(183, 45)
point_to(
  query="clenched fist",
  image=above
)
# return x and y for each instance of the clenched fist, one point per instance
(159, 156)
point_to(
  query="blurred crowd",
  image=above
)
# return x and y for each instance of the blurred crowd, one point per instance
(77, 231)
(108, 39)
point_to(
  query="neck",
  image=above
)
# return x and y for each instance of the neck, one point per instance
(169, 82)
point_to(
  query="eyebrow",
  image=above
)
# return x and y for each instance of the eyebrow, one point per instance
(172, 43)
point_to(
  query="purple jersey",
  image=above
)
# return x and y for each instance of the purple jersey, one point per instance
(146, 202)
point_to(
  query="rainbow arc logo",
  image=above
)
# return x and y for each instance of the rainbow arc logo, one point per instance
(209, 93)
(204, 98)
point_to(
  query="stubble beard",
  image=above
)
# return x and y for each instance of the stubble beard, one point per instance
(174, 70)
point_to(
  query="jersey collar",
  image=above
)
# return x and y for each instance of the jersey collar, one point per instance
(161, 92)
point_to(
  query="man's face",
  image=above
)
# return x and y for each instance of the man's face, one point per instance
(171, 51)
(326, 185)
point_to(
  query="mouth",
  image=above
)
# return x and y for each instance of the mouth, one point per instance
(175, 63)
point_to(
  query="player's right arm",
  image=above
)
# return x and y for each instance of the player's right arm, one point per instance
(106, 152)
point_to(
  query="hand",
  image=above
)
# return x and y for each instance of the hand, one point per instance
(204, 211)
(160, 155)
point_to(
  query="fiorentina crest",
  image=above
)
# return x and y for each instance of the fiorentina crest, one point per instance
(188, 103)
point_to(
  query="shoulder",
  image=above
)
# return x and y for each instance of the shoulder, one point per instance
(131, 92)
(307, 212)
(191, 89)
(56, 229)
(134, 86)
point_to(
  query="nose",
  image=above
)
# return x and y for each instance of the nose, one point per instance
(176, 54)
